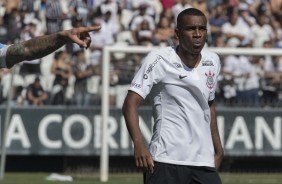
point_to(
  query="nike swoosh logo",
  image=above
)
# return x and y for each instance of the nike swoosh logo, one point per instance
(181, 77)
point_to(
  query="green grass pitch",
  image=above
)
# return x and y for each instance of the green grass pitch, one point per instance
(227, 178)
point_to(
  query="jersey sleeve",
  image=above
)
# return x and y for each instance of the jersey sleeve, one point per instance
(3, 51)
(152, 71)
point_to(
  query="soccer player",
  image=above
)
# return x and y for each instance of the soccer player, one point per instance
(41, 46)
(185, 147)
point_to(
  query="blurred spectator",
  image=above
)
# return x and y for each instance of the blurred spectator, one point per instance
(41, 6)
(105, 36)
(144, 34)
(30, 67)
(62, 70)
(252, 83)
(79, 8)
(220, 41)
(82, 72)
(264, 8)
(35, 93)
(236, 31)
(217, 19)
(150, 4)
(169, 15)
(137, 19)
(109, 24)
(113, 83)
(228, 90)
(19, 96)
(167, 4)
(5, 79)
(126, 69)
(164, 33)
(262, 31)
(30, 8)
(232, 23)
(113, 7)
(179, 6)
(245, 14)
(277, 33)
(27, 6)
(212, 4)
(253, 6)
(201, 5)
(233, 3)
(96, 3)
(54, 16)
(14, 22)
(276, 8)
(3, 32)
(12, 5)
(271, 82)
(245, 76)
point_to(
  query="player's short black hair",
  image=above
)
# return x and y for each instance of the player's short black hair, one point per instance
(187, 12)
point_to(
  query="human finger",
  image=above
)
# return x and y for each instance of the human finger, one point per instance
(76, 39)
(151, 165)
(90, 28)
(81, 35)
(137, 162)
(144, 163)
(87, 40)
(85, 37)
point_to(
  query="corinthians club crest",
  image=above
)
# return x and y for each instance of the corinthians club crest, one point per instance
(210, 80)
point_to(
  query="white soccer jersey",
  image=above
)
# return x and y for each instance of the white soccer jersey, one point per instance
(181, 112)
(3, 50)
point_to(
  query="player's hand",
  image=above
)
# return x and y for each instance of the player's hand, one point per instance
(217, 159)
(81, 35)
(143, 158)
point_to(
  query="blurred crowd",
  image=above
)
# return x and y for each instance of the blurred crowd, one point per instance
(72, 76)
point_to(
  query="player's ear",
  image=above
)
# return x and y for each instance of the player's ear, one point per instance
(176, 33)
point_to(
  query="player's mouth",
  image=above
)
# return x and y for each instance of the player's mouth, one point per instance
(197, 41)
(197, 44)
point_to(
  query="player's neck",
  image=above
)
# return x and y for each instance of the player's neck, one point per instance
(189, 59)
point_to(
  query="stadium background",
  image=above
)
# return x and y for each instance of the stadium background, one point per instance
(256, 126)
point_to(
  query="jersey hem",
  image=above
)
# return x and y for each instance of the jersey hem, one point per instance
(187, 163)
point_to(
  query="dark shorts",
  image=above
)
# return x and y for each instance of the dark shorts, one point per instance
(178, 174)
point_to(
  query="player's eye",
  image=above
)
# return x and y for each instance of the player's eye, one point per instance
(203, 28)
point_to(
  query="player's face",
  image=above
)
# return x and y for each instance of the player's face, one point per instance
(192, 34)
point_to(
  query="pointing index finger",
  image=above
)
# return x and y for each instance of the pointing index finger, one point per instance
(92, 28)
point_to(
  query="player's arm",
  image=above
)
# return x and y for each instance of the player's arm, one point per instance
(143, 158)
(39, 47)
(215, 136)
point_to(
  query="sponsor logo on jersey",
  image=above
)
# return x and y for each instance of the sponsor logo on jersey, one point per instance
(210, 80)
(182, 76)
(151, 67)
(135, 85)
(207, 63)
(177, 65)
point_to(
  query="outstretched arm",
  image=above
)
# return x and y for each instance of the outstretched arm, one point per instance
(215, 136)
(39, 47)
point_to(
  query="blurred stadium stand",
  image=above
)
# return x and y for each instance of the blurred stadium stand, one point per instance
(16, 24)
